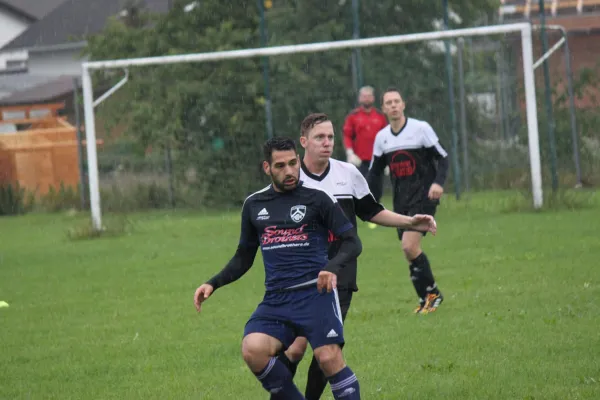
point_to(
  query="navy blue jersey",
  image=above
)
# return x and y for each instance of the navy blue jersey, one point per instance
(292, 229)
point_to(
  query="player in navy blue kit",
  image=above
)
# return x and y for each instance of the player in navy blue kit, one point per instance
(291, 223)
(346, 183)
(418, 167)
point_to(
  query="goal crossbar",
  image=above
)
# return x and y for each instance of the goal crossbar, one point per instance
(527, 48)
(308, 48)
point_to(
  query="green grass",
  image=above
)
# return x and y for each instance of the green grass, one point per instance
(113, 317)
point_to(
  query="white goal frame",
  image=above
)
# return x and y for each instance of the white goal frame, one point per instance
(530, 97)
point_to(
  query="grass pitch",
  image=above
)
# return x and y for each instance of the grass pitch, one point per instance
(113, 317)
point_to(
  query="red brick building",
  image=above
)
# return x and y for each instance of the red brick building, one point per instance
(581, 20)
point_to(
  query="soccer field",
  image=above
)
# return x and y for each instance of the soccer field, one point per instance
(113, 318)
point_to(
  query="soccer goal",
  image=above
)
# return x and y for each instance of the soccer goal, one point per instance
(299, 70)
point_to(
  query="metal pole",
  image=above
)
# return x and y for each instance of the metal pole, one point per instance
(356, 65)
(463, 113)
(551, 126)
(265, 62)
(452, 112)
(77, 107)
(574, 135)
(169, 167)
(532, 120)
(92, 156)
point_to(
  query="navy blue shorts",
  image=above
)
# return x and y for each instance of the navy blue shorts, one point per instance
(285, 315)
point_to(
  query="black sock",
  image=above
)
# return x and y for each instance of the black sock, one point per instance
(289, 364)
(422, 277)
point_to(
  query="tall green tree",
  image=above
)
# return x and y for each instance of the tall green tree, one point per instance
(208, 114)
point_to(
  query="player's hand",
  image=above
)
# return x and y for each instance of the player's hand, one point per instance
(353, 158)
(386, 171)
(435, 191)
(424, 223)
(326, 280)
(202, 293)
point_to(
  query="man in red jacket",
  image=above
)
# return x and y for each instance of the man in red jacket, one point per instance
(360, 128)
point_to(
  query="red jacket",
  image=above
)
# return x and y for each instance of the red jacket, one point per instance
(360, 129)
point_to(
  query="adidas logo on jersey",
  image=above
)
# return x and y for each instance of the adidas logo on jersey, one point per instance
(332, 333)
(263, 214)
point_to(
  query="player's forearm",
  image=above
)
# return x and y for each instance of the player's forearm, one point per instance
(392, 219)
(350, 248)
(442, 171)
(239, 264)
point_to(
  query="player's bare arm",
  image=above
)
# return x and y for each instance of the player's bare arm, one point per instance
(418, 222)
(368, 209)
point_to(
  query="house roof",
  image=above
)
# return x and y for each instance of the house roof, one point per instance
(72, 21)
(32, 9)
(10, 83)
(45, 89)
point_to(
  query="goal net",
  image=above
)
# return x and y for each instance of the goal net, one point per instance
(187, 130)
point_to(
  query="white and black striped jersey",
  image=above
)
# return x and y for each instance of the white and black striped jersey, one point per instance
(416, 160)
(345, 182)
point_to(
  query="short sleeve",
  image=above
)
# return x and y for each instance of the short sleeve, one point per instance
(248, 233)
(377, 147)
(364, 202)
(430, 139)
(333, 216)
(360, 187)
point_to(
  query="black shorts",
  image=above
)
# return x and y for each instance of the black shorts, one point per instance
(427, 206)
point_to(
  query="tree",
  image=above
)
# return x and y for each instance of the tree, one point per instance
(323, 81)
(206, 113)
(212, 114)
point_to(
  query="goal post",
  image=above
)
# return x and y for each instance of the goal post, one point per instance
(528, 80)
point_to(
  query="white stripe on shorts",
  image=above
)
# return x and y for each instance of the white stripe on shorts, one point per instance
(336, 306)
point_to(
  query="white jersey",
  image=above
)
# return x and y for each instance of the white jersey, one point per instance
(416, 160)
(344, 181)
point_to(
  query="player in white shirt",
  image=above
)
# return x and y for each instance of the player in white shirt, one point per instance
(345, 182)
(418, 168)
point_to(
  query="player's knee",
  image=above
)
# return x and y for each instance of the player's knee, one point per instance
(257, 350)
(330, 359)
(411, 248)
(296, 351)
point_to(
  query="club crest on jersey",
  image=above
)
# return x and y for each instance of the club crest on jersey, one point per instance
(297, 213)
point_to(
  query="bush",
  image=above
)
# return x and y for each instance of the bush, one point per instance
(14, 200)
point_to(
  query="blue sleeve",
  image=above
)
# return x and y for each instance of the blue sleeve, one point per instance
(248, 233)
(333, 216)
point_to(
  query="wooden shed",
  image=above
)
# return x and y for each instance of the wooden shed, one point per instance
(38, 148)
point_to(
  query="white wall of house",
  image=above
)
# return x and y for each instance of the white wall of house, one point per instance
(10, 27)
(55, 62)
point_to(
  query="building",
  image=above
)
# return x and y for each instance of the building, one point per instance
(581, 21)
(44, 52)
